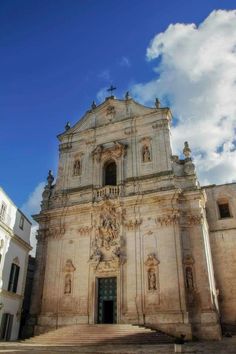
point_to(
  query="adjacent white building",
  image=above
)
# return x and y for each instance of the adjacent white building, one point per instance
(14, 249)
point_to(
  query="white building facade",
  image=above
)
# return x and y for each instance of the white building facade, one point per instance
(123, 234)
(14, 248)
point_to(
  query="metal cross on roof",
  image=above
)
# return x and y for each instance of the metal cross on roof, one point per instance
(111, 88)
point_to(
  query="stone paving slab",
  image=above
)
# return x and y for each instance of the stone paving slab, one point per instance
(227, 345)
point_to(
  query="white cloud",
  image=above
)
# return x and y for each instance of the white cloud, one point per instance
(125, 62)
(196, 71)
(32, 204)
(30, 207)
(102, 94)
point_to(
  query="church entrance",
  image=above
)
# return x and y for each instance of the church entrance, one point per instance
(107, 304)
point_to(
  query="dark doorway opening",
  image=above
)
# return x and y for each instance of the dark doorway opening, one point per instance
(108, 311)
(110, 174)
(107, 304)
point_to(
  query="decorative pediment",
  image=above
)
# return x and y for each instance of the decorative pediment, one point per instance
(109, 111)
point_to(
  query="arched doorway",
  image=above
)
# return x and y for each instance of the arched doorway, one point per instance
(110, 174)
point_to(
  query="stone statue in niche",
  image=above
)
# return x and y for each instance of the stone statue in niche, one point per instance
(69, 267)
(189, 278)
(146, 154)
(77, 168)
(68, 283)
(152, 280)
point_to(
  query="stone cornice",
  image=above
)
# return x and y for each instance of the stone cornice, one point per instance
(11, 295)
(150, 176)
(15, 237)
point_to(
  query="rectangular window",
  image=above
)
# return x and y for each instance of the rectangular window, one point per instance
(224, 210)
(3, 211)
(6, 326)
(13, 280)
(21, 225)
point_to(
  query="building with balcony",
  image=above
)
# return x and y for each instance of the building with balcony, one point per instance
(123, 232)
(14, 248)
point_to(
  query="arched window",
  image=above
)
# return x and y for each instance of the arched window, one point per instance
(110, 173)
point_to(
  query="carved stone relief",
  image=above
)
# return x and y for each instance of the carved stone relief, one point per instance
(115, 151)
(151, 264)
(68, 269)
(133, 224)
(85, 230)
(106, 246)
(168, 219)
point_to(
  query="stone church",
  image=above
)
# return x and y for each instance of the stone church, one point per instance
(128, 235)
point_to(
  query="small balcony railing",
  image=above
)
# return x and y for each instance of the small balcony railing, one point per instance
(107, 192)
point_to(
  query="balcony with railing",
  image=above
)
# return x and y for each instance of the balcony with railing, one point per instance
(107, 192)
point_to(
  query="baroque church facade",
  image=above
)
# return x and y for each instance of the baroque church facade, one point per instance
(123, 232)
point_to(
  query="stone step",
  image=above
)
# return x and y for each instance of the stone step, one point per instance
(77, 335)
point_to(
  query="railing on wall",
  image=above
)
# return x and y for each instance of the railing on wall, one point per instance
(107, 192)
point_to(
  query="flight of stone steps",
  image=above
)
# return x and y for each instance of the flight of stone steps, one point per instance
(85, 335)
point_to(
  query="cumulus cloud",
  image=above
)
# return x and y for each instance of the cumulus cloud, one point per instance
(30, 207)
(196, 72)
(32, 204)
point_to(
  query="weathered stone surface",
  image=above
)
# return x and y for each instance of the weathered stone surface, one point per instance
(149, 230)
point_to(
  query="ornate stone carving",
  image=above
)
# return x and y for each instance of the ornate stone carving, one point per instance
(55, 232)
(189, 278)
(16, 261)
(186, 150)
(68, 284)
(160, 124)
(65, 147)
(192, 219)
(110, 111)
(115, 151)
(151, 261)
(151, 264)
(77, 168)
(69, 267)
(152, 280)
(85, 230)
(188, 260)
(146, 154)
(169, 219)
(106, 250)
(133, 224)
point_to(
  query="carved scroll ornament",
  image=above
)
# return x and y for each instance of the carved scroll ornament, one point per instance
(115, 151)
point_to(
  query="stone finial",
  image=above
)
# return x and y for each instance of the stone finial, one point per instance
(186, 150)
(67, 126)
(157, 103)
(93, 106)
(50, 178)
(127, 96)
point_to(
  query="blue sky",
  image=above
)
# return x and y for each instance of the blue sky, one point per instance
(56, 56)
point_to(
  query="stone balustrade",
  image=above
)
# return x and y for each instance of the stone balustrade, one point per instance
(107, 192)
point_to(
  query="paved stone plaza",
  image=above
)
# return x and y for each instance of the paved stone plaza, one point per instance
(227, 345)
